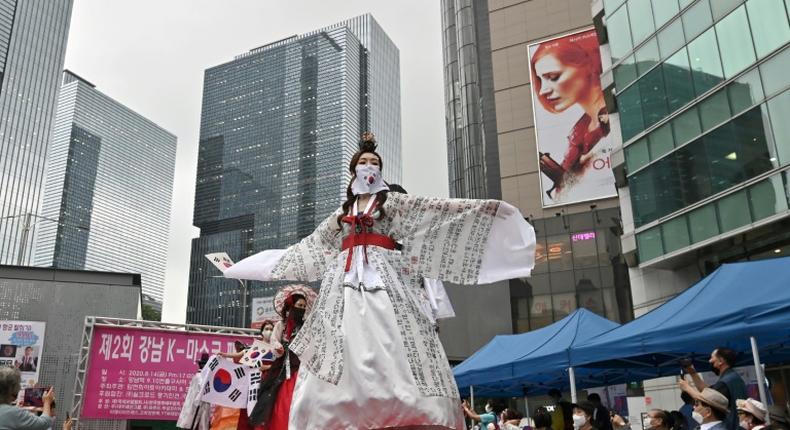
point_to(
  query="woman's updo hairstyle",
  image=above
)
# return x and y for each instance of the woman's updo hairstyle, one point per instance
(367, 145)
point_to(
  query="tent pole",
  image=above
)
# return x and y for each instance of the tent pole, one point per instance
(758, 370)
(572, 376)
(526, 405)
(472, 395)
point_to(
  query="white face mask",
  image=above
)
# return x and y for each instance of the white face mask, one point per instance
(697, 416)
(489, 408)
(267, 334)
(579, 421)
(646, 423)
(368, 180)
(745, 424)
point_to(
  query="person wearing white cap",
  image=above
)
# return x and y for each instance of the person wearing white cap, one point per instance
(751, 414)
(711, 405)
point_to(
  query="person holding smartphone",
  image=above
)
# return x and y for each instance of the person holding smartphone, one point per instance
(16, 418)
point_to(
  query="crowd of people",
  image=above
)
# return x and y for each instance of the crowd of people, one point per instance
(722, 406)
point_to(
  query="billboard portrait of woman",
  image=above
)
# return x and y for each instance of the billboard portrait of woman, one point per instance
(571, 120)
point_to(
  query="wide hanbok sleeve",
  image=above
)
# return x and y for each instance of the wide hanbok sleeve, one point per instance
(305, 261)
(462, 241)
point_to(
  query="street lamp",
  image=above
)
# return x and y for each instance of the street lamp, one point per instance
(222, 261)
(26, 227)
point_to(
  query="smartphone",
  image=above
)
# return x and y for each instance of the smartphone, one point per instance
(34, 397)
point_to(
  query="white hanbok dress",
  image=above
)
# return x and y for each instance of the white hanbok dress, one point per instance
(370, 358)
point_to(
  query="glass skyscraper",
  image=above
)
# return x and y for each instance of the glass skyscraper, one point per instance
(108, 189)
(470, 112)
(278, 128)
(700, 90)
(33, 38)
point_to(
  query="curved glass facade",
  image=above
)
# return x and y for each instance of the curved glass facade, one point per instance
(470, 114)
(703, 99)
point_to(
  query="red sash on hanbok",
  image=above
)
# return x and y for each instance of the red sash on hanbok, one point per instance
(363, 237)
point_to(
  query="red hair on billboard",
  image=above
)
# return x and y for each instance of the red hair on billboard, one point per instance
(579, 51)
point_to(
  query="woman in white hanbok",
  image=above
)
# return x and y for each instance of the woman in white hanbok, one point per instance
(370, 358)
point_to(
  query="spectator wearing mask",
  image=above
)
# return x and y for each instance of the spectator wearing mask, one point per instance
(601, 418)
(730, 384)
(582, 416)
(751, 414)
(16, 418)
(562, 417)
(710, 406)
(657, 419)
(489, 417)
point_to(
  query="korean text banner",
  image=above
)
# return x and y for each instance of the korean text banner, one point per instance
(138, 373)
(571, 121)
(21, 346)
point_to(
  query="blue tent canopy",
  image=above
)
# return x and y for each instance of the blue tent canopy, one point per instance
(535, 359)
(726, 308)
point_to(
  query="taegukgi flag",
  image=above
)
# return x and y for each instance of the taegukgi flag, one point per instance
(226, 383)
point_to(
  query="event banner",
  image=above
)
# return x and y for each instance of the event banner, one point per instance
(571, 121)
(21, 346)
(136, 373)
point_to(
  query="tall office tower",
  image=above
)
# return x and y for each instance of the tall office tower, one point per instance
(472, 149)
(108, 188)
(33, 38)
(549, 160)
(278, 128)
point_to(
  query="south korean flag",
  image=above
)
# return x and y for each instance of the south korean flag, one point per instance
(226, 383)
(252, 394)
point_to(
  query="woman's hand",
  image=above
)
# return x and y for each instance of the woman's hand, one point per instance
(68, 424)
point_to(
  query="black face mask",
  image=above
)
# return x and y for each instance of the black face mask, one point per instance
(716, 371)
(298, 314)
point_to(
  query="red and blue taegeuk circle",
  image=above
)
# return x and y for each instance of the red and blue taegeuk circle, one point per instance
(222, 381)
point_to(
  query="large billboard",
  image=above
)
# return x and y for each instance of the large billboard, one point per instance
(141, 373)
(21, 346)
(571, 121)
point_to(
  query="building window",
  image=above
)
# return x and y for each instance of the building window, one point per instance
(641, 15)
(779, 109)
(731, 211)
(735, 41)
(703, 223)
(705, 62)
(769, 24)
(677, 76)
(619, 33)
(696, 19)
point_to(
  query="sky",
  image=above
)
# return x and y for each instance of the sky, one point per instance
(150, 55)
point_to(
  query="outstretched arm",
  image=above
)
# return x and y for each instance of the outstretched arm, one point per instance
(304, 261)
